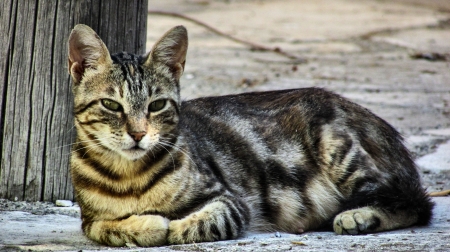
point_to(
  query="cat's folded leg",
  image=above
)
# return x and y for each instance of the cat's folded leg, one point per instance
(141, 230)
(220, 219)
(370, 219)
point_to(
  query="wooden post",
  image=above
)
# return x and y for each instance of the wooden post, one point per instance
(36, 123)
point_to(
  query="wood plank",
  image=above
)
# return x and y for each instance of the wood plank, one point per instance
(17, 113)
(36, 121)
(60, 130)
(5, 29)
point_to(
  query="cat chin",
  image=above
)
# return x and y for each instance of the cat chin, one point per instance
(133, 154)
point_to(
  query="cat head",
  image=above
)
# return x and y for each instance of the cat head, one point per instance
(123, 103)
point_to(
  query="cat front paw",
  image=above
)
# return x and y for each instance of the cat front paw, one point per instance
(140, 230)
(152, 230)
(358, 221)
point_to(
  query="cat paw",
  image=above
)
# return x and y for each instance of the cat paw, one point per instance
(148, 230)
(358, 221)
(190, 231)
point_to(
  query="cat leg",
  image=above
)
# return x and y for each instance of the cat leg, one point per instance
(141, 230)
(223, 218)
(371, 219)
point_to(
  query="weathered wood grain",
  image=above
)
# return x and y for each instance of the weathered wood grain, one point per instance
(36, 124)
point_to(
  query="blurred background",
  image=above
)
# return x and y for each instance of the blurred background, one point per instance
(401, 47)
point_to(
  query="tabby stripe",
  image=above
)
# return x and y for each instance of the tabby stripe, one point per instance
(219, 130)
(195, 203)
(201, 228)
(108, 235)
(355, 164)
(97, 166)
(236, 218)
(167, 170)
(241, 208)
(215, 231)
(121, 91)
(90, 122)
(89, 183)
(85, 182)
(308, 170)
(216, 171)
(181, 192)
(185, 235)
(228, 230)
(87, 213)
(156, 155)
(243, 152)
(86, 227)
(81, 108)
(171, 165)
(264, 189)
(318, 114)
(339, 156)
(175, 105)
(92, 138)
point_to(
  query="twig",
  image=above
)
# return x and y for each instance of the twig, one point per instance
(440, 193)
(253, 46)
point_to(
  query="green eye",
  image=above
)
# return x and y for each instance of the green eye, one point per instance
(111, 105)
(157, 105)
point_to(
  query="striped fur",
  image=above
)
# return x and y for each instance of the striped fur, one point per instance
(151, 170)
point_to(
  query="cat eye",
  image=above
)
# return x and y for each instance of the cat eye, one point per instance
(111, 105)
(157, 105)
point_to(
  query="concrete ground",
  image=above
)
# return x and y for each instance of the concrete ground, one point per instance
(392, 57)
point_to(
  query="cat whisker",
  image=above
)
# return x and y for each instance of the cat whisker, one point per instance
(72, 144)
(162, 142)
(152, 153)
(91, 148)
(85, 147)
(171, 156)
(97, 142)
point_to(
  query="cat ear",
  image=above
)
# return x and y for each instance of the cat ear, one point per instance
(170, 50)
(86, 51)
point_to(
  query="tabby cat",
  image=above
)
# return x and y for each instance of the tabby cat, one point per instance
(150, 169)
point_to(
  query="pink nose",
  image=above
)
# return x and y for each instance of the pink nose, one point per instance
(137, 136)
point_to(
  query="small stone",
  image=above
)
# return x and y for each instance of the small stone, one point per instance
(64, 203)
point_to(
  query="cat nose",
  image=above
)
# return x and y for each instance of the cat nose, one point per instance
(137, 136)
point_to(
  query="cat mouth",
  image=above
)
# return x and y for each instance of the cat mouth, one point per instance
(135, 149)
(134, 152)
